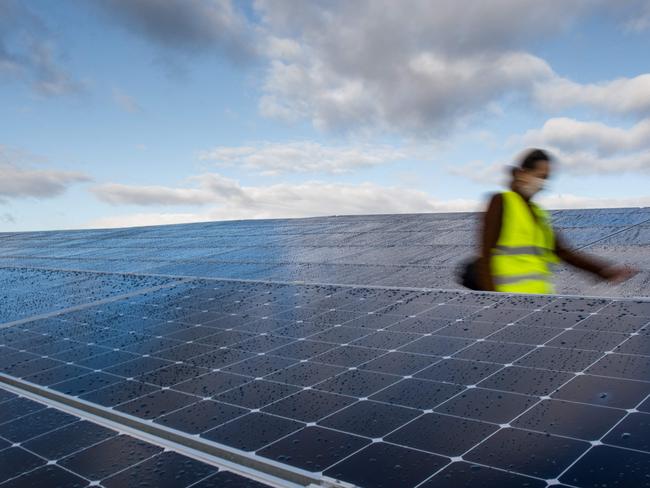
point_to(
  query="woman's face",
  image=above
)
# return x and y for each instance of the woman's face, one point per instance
(530, 181)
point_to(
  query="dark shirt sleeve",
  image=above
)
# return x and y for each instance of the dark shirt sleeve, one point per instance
(577, 259)
(489, 236)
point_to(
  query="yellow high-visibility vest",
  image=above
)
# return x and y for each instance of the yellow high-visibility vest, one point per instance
(524, 254)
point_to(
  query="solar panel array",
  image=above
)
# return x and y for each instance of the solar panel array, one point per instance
(388, 382)
(419, 250)
(376, 387)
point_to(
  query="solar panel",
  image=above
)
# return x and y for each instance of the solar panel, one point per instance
(420, 250)
(328, 350)
(41, 446)
(369, 386)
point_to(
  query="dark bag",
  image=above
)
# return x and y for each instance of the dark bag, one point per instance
(468, 272)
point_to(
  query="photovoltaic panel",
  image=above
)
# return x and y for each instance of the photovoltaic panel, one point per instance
(41, 446)
(419, 250)
(330, 380)
(343, 358)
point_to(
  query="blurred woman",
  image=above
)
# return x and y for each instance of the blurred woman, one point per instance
(518, 244)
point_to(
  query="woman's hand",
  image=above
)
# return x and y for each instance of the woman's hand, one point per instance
(618, 274)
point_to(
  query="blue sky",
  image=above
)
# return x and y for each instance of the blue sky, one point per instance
(119, 113)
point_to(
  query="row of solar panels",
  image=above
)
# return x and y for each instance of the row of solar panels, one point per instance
(375, 387)
(390, 250)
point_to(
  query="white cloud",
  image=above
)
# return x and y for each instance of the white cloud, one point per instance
(118, 194)
(619, 96)
(586, 162)
(579, 147)
(212, 188)
(415, 67)
(577, 162)
(228, 200)
(593, 147)
(422, 67)
(483, 173)
(276, 158)
(571, 135)
(16, 182)
(311, 199)
(429, 92)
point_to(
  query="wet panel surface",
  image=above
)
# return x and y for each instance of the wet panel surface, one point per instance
(442, 434)
(55, 449)
(254, 366)
(605, 465)
(314, 448)
(370, 419)
(540, 455)
(467, 475)
(385, 465)
(565, 418)
(253, 431)
(609, 392)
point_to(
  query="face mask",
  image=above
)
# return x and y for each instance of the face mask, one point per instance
(532, 186)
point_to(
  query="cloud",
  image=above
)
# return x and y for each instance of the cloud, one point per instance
(118, 194)
(125, 102)
(425, 68)
(579, 147)
(27, 52)
(579, 162)
(571, 134)
(314, 198)
(18, 182)
(496, 173)
(228, 200)
(415, 67)
(187, 26)
(429, 93)
(593, 147)
(589, 162)
(298, 157)
(619, 96)
(212, 188)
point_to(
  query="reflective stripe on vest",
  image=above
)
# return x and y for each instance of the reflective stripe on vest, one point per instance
(520, 262)
(539, 251)
(507, 280)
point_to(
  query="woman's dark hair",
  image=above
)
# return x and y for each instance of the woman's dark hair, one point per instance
(529, 160)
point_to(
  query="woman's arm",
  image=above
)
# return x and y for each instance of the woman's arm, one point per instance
(578, 259)
(591, 264)
(489, 236)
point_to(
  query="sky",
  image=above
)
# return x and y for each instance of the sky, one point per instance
(121, 113)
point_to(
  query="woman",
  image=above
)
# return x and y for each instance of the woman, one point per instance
(519, 246)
